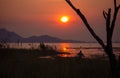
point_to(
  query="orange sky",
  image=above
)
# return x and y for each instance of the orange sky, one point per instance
(41, 17)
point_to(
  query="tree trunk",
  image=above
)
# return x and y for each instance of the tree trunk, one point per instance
(113, 62)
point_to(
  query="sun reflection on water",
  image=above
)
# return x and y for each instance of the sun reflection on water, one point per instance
(64, 47)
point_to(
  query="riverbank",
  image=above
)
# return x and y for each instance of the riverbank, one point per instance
(27, 64)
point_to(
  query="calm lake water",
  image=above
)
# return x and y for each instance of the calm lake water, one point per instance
(88, 49)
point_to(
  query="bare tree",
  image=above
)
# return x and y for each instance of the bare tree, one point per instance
(110, 24)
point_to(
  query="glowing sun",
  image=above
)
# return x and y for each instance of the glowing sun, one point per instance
(64, 19)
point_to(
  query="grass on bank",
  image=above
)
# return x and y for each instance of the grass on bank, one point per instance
(30, 66)
(25, 63)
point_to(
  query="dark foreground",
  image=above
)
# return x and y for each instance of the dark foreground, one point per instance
(22, 64)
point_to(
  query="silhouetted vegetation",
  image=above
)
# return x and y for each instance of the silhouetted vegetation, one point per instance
(21, 65)
(110, 25)
(27, 63)
(43, 47)
(42, 50)
(4, 44)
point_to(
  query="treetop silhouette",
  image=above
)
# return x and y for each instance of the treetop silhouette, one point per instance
(110, 25)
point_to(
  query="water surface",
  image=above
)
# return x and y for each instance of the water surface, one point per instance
(88, 49)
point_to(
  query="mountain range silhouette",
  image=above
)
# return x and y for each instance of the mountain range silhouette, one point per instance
(8, 36)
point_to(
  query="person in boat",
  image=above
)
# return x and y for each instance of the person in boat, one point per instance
(80, 54)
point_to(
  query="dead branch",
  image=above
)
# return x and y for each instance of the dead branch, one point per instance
(86, 23)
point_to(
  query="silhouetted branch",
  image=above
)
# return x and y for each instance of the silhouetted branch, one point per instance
(110, 24)
(105, 15)
(72, 6)
(86, 23)
(108, 20)
(116, 9)
(108, 29)
(115, 4)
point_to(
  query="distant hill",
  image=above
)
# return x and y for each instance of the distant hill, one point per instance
(7, 36)
(43, 38)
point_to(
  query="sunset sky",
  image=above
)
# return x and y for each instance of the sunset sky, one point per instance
(42, 17)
